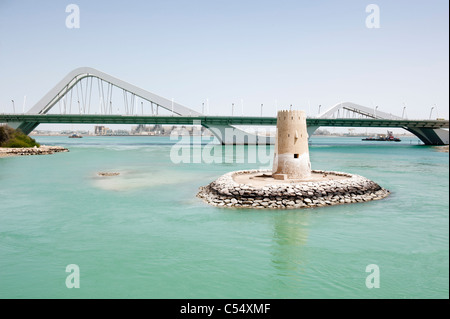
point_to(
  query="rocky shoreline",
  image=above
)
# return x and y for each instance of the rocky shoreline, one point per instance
(42, 150)
(225, 192)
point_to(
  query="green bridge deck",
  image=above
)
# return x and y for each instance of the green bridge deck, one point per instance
(214, 120)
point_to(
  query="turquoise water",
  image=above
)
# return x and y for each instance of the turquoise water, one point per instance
(144, 234)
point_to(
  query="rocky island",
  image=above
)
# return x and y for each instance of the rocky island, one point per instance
(291, 183)
(15, 143)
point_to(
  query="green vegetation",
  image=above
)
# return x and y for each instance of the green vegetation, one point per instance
(10, 137)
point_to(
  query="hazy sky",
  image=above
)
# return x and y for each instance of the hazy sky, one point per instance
(303, 53)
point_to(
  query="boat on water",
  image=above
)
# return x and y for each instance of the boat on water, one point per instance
(75, 135)
(389, 137)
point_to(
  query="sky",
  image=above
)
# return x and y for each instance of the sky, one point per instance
(304, 53)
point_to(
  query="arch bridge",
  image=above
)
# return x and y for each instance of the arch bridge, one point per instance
(74, 102)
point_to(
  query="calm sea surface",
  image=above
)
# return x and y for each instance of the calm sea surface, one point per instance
(144, 234)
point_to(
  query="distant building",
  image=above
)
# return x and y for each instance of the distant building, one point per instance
(101, 130)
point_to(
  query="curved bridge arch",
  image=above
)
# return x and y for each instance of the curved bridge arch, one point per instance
(429, 136)
(71, 79)
(358, 110)
(338, 111)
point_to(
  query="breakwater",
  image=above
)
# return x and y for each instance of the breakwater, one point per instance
(348, 188)
(25, 151)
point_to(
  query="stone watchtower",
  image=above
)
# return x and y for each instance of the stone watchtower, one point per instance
(291, 156)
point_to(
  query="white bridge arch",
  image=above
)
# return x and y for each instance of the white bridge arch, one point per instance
(74, 79)
(430, 136)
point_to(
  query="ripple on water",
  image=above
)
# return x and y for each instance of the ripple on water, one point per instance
(129, 179)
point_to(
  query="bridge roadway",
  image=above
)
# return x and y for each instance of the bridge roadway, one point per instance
(431, 132)
(215, 120)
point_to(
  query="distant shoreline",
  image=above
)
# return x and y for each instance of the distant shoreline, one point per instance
(443, 149)
(27, 151)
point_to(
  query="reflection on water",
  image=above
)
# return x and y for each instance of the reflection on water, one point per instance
(289, 238)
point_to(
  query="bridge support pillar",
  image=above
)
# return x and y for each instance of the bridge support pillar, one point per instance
(25, 127)
(229, 135)
(311, 129)
(15, 125)
(431, 136)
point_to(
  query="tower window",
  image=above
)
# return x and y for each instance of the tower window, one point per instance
(295, 155)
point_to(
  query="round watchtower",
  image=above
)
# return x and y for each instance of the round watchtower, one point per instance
(291, 156)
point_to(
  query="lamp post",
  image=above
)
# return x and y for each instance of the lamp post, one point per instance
(431, 111)
(376, 108)
(232, 109)
(14, 108)
(261, 109)
(23, 106)
(320, 105)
